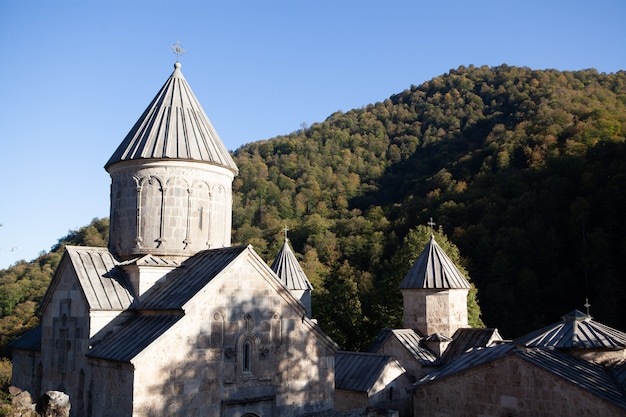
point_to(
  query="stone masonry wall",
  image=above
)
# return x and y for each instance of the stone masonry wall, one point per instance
(350, 400)
(169, 208)
(65, 340)
(508, 387)
(109, 390)
(243, 346)
(435, 311)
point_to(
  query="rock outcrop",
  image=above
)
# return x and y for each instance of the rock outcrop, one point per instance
(54, 404)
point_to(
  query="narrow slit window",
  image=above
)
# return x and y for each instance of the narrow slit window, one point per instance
(247, 356)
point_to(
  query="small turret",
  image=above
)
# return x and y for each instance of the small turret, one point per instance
(288, 269)
(435, 294)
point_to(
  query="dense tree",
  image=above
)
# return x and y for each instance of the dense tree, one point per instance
(5, 381)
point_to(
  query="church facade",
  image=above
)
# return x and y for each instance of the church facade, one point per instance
(171, 319)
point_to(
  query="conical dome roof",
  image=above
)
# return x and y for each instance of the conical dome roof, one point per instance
(289, 271)
(434, 270)
(575, 330)
(174, 126)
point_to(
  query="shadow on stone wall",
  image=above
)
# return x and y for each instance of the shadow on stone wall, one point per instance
(250, 358)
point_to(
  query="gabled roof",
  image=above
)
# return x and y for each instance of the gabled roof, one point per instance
(31, 340)
(409, 339)
(104, 285)
(359, 371)
(136, 334)
(434, 270)
(467, 338)
(470, 359)
(174, 126)
(289, 270)
(180, 285)
(575, 330)
(585, 375)
(162, 306)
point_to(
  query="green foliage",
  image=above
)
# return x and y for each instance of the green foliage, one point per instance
(94, 234)
(5, 379)
(339, 307)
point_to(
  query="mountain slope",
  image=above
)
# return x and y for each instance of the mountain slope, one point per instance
(524, 170)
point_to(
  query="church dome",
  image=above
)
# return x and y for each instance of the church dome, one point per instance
(174, 126)
(171, 180)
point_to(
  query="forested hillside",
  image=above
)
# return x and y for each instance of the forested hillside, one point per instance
(524, 172)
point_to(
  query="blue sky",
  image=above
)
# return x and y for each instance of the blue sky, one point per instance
(78, 74)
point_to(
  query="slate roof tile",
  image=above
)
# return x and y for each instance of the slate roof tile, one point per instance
(359, 371)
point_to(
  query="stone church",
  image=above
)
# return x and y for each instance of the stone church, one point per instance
(171, 319)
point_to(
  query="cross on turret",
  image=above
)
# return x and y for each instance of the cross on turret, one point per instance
(178, 50)
(431, 224)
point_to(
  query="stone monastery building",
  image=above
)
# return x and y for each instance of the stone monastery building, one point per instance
(171, 320)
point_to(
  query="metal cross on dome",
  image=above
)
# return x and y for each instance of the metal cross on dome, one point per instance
(431, 224)
(178, 50)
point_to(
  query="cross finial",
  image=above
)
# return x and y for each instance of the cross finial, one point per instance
(285, 230)
(431, 224)
(178, 50)
(587, 305)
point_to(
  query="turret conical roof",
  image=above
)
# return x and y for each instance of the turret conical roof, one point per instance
(575, 330)
(174, 126)
(434, 270)
(288, 269)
